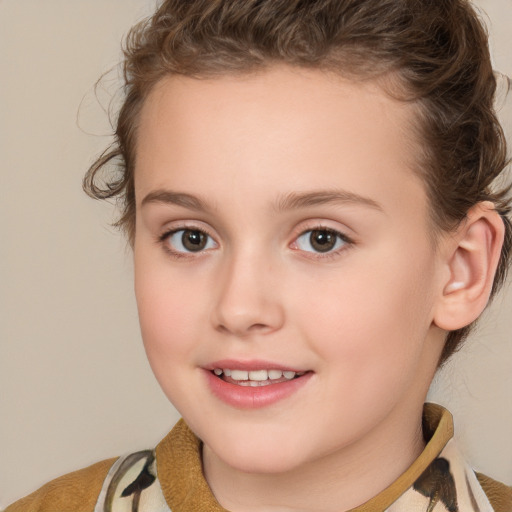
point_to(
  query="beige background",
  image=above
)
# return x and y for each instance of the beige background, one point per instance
(74, 383)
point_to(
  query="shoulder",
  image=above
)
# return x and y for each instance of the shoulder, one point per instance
(500, 495)
(77, 491)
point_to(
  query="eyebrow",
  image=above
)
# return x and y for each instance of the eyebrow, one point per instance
(291, 201)
(176, 198)
(295, 200)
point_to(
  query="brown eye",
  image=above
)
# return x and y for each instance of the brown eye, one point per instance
(189, 240)
(321, 241)
(193, 240)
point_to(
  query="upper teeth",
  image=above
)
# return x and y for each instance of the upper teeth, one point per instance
(256, 375)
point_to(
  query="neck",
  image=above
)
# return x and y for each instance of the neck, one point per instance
(339, 481)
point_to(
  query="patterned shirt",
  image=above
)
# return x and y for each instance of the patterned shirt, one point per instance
(438, 481)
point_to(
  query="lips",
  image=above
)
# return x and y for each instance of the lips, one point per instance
(249, 385)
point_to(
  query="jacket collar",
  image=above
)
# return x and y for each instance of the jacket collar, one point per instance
(439, 480)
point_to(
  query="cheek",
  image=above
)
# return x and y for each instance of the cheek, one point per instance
(168, 308)
(373, 315)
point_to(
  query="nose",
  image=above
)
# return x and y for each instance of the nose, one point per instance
(247, 302)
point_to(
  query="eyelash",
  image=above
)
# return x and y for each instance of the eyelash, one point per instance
(347, 242)
(164, 237)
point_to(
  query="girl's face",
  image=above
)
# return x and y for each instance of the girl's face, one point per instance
(281, 228)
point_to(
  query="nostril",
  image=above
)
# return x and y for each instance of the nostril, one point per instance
(258, 327)
(242, 330)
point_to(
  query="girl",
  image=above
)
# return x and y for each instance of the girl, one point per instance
(308, 191)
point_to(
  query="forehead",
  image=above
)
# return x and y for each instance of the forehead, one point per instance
(276, 129)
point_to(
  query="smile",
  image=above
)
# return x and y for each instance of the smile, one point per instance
(255, 378)
(254, 385)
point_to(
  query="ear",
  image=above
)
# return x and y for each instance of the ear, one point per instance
(471, 256)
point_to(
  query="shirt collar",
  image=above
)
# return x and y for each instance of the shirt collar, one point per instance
(439, 480)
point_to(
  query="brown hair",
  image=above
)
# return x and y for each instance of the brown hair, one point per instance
(438, 50)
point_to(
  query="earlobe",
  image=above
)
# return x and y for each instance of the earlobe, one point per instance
(472, 257)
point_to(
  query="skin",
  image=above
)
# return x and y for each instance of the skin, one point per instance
(360, 318)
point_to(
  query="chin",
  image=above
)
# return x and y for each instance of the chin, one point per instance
(262, 457)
